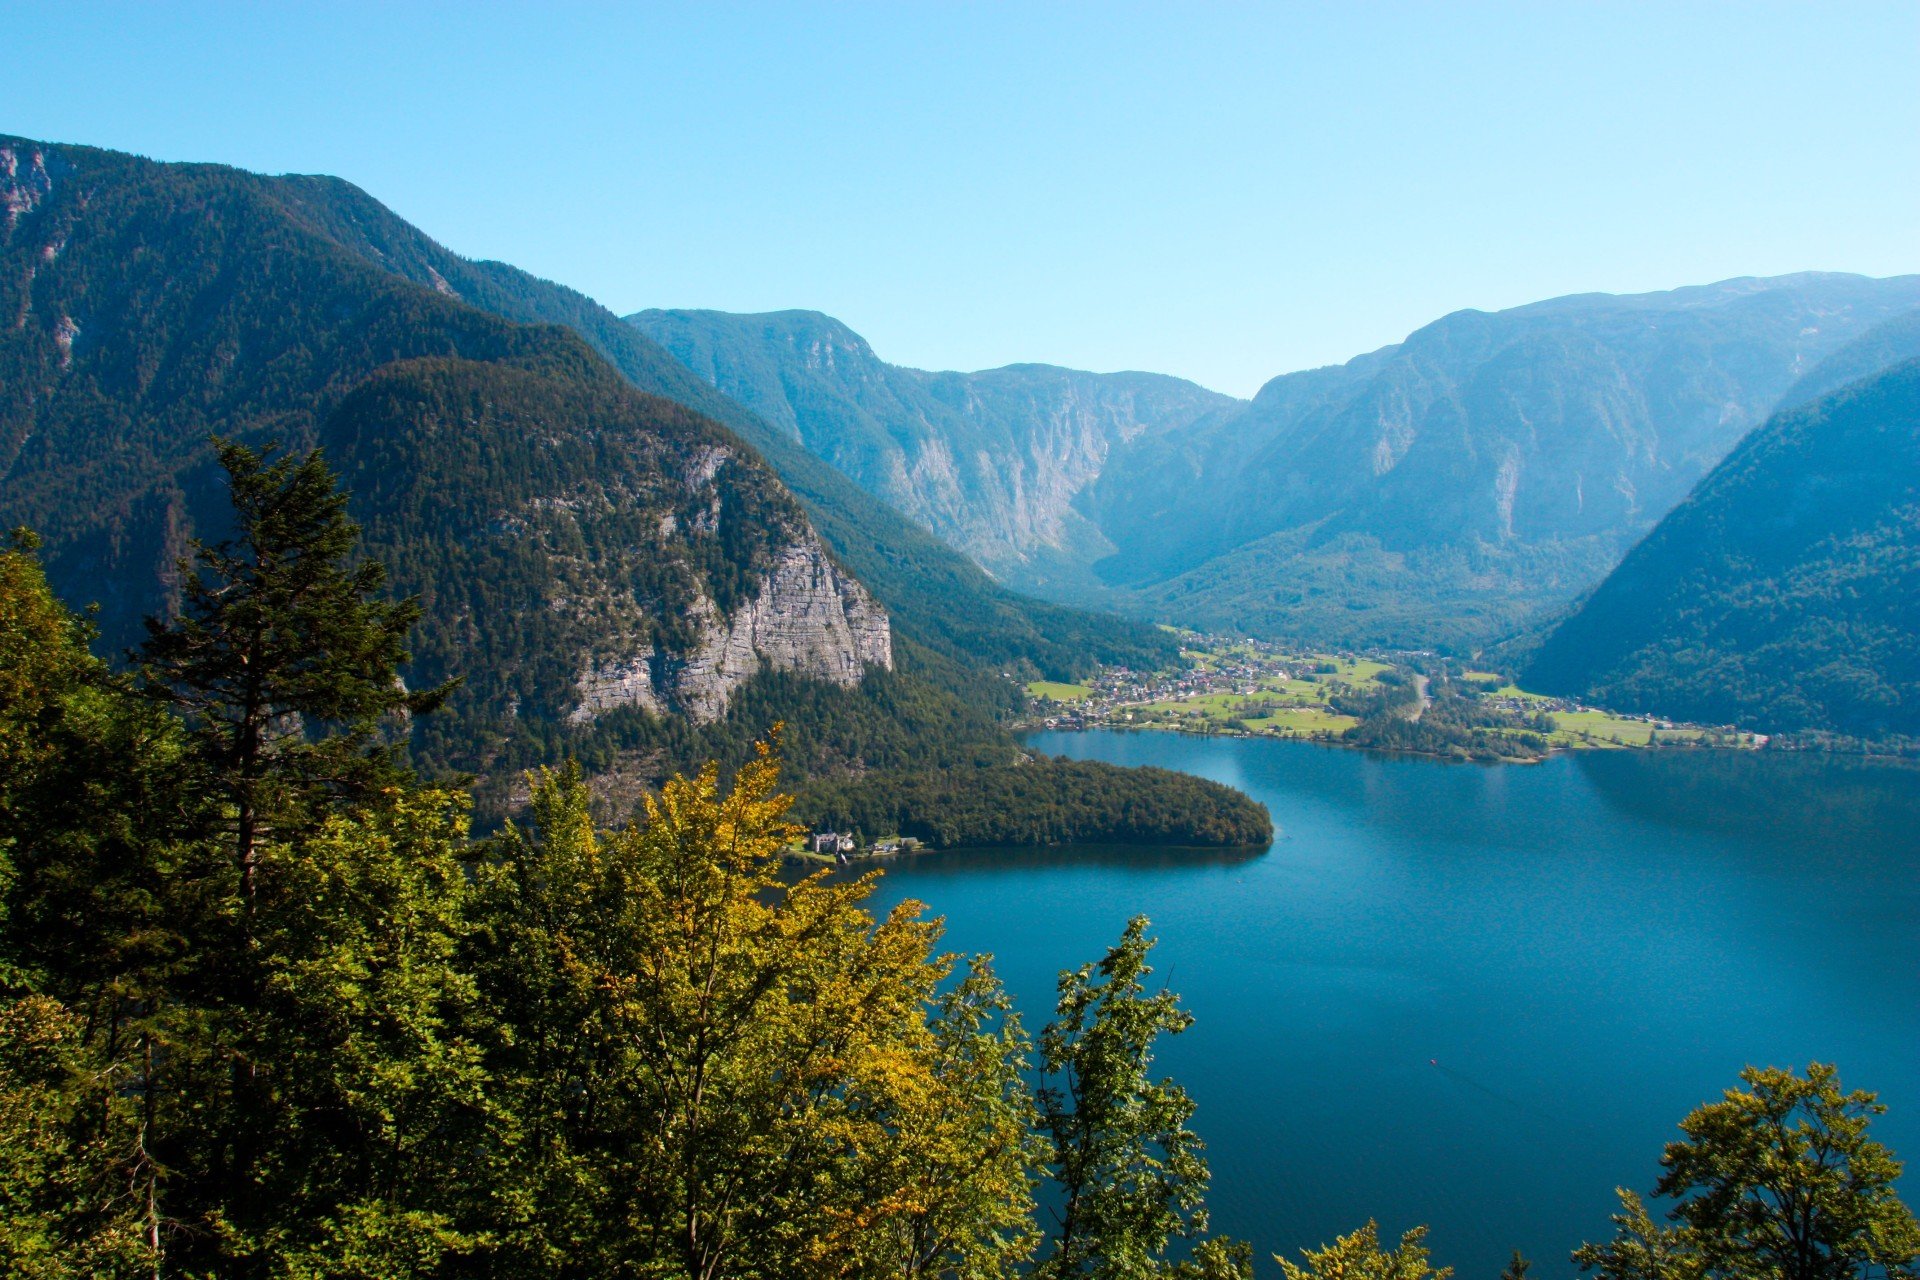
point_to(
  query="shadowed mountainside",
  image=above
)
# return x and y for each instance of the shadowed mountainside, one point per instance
(1784, 594)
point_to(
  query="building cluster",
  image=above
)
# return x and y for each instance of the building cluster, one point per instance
(843, 847)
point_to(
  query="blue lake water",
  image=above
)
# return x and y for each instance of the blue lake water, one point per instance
(1586, 948)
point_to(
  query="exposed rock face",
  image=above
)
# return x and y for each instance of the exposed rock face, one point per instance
(25, 180)
(807, 617)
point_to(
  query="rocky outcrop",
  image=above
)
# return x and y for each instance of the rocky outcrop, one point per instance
(25, 180)
(807, 616)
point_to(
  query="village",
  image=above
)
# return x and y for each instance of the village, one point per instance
(1237, 686)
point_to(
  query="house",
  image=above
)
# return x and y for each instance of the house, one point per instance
(830, 842)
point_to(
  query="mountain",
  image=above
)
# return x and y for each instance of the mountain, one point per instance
(1449, 490)
(989, 461)
(1492, 467)
(940, 600)
(1784, 593)
(581, 546)
(615, 573)
(1887, 344)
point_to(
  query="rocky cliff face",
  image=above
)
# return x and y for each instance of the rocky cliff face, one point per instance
(806, 616)
(25, 180)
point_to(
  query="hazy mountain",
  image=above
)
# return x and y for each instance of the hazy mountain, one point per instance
(1784, 594)
(1449, 490)
(1887, 344)
(990, 461)
(1490, 467)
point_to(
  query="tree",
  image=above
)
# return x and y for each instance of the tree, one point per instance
(1517, 1267)
(703, 1069)
(1358, 1256)
(1642, 1249)
(1776, 1181)
(98, 880)
(283, 658)
(1130, 1174)
(1779, 1181)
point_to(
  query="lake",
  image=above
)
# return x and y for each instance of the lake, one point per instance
(1482, 997)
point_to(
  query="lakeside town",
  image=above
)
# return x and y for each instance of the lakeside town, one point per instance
(1233, 685)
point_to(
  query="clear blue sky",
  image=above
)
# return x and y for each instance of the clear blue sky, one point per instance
(1217, 191)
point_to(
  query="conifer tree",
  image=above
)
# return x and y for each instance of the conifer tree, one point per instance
(283, 658)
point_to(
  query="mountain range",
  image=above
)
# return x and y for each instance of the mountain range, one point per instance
(600, 548)
(992, 462)
(1450, 490)
(646, 541)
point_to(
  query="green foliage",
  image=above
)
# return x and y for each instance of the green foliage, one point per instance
(709, 1071)
(1642, 1249)
(1130, 1175)
(1041, 801)
(1358, 1256)
(283, 659)
(1776, 1181)
(1455, 725)
(223, 1079)
(1780, 596)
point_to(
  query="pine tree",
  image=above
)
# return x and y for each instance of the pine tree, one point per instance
(283, 658)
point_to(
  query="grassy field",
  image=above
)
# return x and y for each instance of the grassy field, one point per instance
(1302, 720)
(1055, 691)
(1597, 728)
(1294, 707)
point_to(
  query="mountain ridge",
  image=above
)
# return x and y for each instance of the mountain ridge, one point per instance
(1780, 595)
(990, 460)
(1453, 488)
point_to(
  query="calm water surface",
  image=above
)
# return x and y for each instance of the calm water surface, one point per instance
(1587, 948)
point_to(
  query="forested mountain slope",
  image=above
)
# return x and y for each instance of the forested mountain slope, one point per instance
(1490, 467)
(613, 574)
(580, 547)
(1784, 594)
(939, 598)
(1887, 344)
(991, 461)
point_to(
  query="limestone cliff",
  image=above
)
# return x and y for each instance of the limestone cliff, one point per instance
(806, 616)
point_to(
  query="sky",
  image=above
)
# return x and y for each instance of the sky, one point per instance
(1224, 192)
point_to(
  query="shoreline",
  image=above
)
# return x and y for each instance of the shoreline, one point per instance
(1020, 730)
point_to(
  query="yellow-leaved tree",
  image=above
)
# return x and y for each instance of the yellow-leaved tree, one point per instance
(709, 1068)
